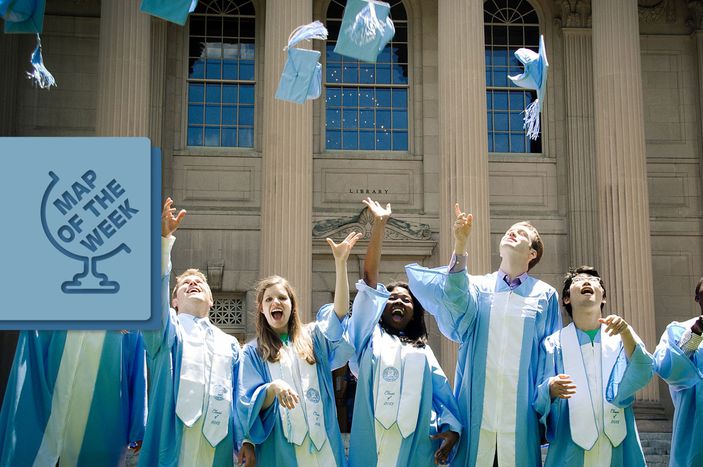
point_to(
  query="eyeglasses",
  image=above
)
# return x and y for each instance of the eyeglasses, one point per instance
(584, 278)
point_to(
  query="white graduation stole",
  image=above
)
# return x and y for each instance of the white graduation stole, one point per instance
(396, 402)
(307, 417)
(200, 376)
(582, 417)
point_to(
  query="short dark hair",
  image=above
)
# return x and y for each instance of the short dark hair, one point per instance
(536, 243)
(416, 332)
(697, 289)
(569, 278)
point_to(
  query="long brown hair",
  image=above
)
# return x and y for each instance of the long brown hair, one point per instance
(269, 344)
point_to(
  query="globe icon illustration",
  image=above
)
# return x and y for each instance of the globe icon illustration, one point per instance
(85, 235)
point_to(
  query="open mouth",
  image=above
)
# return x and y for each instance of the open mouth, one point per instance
(193, 290)
(397, 313)
(587, 290)
(276, 314)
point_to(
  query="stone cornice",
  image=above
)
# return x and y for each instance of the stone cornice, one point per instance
(574, 14)
(338, 228)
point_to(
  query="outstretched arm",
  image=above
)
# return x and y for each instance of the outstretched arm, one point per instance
(341, 288)
(462, 230)
(170, 221)
(372, 262)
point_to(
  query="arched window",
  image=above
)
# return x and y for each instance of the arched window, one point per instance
(508, 26)
(221, 74)
(366, 105)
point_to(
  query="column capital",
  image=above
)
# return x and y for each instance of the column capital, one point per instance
(695, 15)
(573, 14)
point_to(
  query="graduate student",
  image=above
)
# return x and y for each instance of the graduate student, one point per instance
(194, 368)
(76, 398)
(678, 359)
(500, 320)
(287, 399)
(404, 413)
(589, 373)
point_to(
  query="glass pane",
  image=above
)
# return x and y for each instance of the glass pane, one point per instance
(350, 98)
(383, 73)
(246, 70)
(366, 120)
(349, 140)
(229, 93)
(213, 93)
(500, 100)
(400, 74)
(229, 115)
(212, 115)
(196, 92)
(500, 77)
(516, 121)
(247, 50)
(400, 98)
(366, 74)
(334, 139)
(400, 119)
(517, 143)
(367, 140)
(501, 142)
(246, 115)
(400, 140)
(334, 97)
(500, 120)
(515, 38)
(350, 119)
(212, 136)
(334, 73)
(246, 28)
(516, 101)
(195, 136)
(197, 70)
(383, 97)
(331, 56)
(197, 26)
(385, 55)
(246, 94)
(490, 141)
(246, 138)
(195, 114)
(367, 98)
(351, 73)
(332, 119)
(383, 140)
(230, 70)
(383, 119)
(229, 137)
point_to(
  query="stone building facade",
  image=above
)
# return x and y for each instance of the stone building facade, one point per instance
(614, 181)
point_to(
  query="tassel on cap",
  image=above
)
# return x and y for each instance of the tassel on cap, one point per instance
(40, 75)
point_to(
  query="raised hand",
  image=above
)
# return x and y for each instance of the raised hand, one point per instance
(169, 219)
(285, 394)
(561, 386)
(379, 212)
(614, 325)
(247, 455)
(462, 229)
(449, 439)
(341, 250)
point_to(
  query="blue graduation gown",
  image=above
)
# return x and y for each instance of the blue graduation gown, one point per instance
(685, 378)
(438, 410)
(627, 377)
(461, 304)
(164, 430)
(117, 410)
(263, 427)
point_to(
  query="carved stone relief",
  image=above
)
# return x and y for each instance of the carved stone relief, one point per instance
(657, 11)
(396, 229)
(574, 13)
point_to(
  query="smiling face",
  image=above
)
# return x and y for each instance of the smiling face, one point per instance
(585, 292)
(517, 241)
(192, 293)
(276, 307)
(399, 309)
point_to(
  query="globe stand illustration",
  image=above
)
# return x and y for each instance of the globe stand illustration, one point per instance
(88, 281)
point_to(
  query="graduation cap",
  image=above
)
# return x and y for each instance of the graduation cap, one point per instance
(175, 11)
(534, 77)
(302, 74)
(27, 17)
(366, 29)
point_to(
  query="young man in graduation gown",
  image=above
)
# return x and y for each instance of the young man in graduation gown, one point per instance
(500, 320)
(76, 398)
(193, 367)
(678, 359)
(589, 373)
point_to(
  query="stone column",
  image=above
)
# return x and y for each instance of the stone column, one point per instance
(286, 197)
(159, 30)
(463, 136)
(583, 204)
(124, 77)
(626, 252)
(9, 73)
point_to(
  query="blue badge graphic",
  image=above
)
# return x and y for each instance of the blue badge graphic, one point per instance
(82, 241)
(391, 373)
(313, 395)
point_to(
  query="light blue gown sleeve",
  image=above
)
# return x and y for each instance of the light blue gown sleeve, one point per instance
(330, 338)
(238, 425)
(443, 401)
(366, 311)
(137, 385)
(547, 409)
(155, 341)
(448, 296)
(629, 376)
(254, 380)
(672, 364)
(553, 323)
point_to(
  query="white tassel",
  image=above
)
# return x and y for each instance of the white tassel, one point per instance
(531, 121)
(43, 77)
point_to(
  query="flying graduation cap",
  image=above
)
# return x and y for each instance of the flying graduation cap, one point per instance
(533, 77)
(175, 11)
(302, 74)
(27, 17)
(366, 29)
